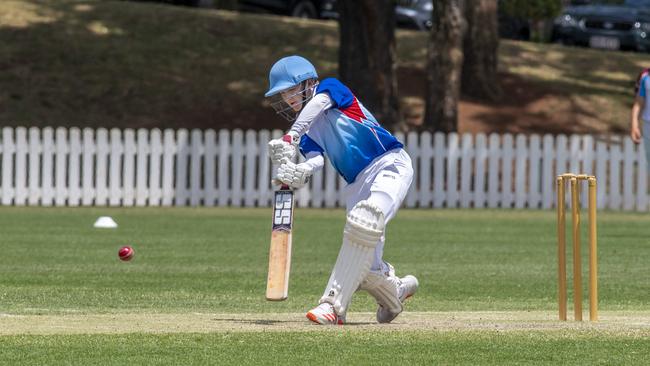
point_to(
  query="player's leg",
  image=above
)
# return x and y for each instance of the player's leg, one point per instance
(646, 143)
(363, 229)
(389, 291)
(388, 189)
(382, 187)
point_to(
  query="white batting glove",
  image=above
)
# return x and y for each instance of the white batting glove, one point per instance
(294, 175)
(283, 148)
(280, 150)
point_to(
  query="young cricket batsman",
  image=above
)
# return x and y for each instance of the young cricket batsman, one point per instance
(329, 120)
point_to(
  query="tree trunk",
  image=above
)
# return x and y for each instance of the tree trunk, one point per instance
(480, 46)
(445, 61)
(367, 55)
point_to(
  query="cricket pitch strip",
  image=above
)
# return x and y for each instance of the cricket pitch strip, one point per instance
(631, 323)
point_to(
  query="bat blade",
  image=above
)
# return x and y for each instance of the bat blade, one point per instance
(277, 285)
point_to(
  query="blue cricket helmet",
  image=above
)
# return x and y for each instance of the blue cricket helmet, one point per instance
(289, 72)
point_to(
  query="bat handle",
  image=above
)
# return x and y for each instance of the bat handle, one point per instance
(283, 187)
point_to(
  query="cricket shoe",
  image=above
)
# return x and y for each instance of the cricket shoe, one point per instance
(406, 287)
(325, 314)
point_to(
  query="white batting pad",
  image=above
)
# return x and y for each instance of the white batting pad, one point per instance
(362, 232)
(384, 289)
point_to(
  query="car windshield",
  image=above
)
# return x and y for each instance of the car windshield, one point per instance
(638, 3)
(630, 3)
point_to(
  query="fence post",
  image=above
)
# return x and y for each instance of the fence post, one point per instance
(548, 178)
(507, 196)
(440, 154)
(142, 153)
(480, 162)
(196, 168)
(61, 168)
(103, 154)
(452, 170)
(88, 190)
(251, 164)
(534, 170)
(494, 157)
(169, 151)
(128, 181)
(466, 158)
(424, 176)
(521, 157)
(21, 190)
(155, 168)
(48, 167)
(74, 167)
(8, 149)
(35, 150)
(209, 164)
(182, 154)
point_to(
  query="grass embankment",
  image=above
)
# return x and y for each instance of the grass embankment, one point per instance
(128, 64)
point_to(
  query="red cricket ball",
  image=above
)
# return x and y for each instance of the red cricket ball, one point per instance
(126, 253)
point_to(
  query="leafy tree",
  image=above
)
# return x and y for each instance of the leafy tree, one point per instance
(538, 12)
(532, 9)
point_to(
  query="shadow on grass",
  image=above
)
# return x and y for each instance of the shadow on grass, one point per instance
(561, 98)
(278, 322)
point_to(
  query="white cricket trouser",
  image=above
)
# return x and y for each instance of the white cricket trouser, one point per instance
(646, 142)
(385, 183)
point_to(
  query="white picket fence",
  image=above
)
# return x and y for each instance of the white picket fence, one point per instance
(73, 167)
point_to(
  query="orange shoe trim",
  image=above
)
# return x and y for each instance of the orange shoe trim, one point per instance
(312, 317)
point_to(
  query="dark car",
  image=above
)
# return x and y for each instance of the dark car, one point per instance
(317, 9)
(604, 25)
(415, 14)
(512, 27)
(192, 3)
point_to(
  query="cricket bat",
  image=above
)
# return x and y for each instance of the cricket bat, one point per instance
(277, 285)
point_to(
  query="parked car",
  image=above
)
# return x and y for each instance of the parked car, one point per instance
(317, 9)
(512, 27)
(414, 14)
(417, 14)
(604, 25)
(178, 2)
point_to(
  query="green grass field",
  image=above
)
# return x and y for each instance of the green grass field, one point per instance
(194, 293)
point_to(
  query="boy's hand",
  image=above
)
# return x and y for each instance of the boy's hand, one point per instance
(294, 175)
(283, 148)
(635, 134)
(280, 150)
(292, 138)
